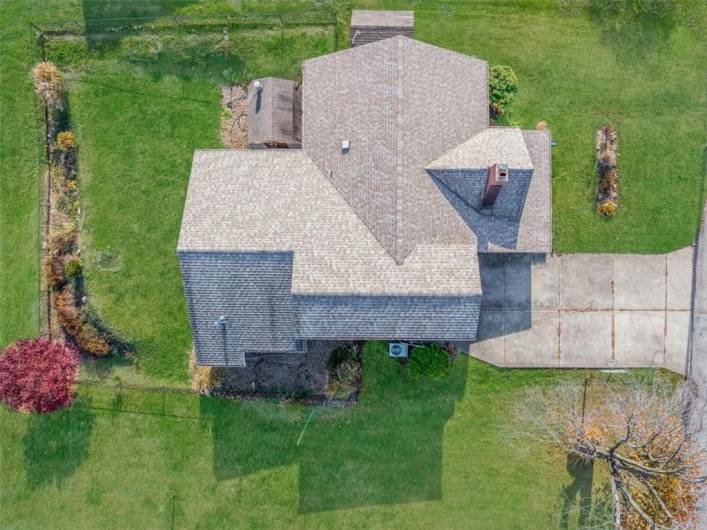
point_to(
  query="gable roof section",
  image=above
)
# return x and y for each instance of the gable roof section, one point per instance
(531, 231)
(250, 201)
(401, 104)
(495, 145)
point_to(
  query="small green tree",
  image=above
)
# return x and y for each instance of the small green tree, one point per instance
(503, 86)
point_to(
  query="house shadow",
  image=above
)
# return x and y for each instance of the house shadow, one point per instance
(385, 450)
(56, 443)
(507, 303)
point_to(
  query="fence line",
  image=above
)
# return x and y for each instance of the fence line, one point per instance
(180, 24)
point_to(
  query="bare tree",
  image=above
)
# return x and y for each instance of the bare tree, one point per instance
(641, 430)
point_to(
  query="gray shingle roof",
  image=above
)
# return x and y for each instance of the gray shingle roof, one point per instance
(278, 200)
(521, 219)
(374, 240)
(252, 292)
(401, 104)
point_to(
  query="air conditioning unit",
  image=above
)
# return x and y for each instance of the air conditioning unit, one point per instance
(399, 350)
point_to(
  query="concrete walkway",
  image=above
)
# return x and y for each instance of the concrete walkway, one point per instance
(585, 310)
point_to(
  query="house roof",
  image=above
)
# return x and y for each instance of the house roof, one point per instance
(278, 200)
(400, 104)
(274, 112)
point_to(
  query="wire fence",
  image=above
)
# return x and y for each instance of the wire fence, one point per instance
(42, 134)
(217, 41)
(215, 45)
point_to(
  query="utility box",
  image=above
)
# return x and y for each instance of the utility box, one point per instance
(398, 350)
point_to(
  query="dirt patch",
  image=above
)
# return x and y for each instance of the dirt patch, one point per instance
(298, 375)
(234, 119)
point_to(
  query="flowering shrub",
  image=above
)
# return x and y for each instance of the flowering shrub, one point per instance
(65, 141)
(53, 272)
(607, 208)
(49, 85)
(87, 337)
(38, 375)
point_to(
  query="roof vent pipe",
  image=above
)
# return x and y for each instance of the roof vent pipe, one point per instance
(257, 85)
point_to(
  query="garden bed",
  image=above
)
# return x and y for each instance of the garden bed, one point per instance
(313, 375)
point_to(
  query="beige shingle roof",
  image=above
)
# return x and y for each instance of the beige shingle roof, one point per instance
(495, 145)
(278, 200)
(400, 104)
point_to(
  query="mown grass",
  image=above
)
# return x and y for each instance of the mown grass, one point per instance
(19, 183)
(139, 123)
(411, 454)
(580, 71)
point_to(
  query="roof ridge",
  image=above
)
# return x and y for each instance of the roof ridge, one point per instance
(398, 169)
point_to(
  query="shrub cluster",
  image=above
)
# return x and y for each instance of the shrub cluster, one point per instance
(38, 375)
(344, 369)
(431, 360)
(82, 326)
(503, 87)
(204, 379)
(87, 337)
(607, 171)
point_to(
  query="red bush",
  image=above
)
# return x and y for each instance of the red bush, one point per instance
(38, 375)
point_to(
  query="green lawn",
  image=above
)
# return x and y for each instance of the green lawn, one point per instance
(411, 453)
(138, 125)
(425, 454)
(19, 187)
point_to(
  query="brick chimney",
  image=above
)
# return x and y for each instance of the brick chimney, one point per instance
(497, 177)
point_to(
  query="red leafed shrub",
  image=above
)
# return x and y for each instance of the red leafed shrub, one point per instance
(38, 375)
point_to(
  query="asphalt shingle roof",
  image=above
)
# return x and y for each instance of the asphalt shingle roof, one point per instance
(278, 200)
(401, 104)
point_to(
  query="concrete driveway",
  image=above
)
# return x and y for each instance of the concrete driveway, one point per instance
(585, 310)
(698, 354)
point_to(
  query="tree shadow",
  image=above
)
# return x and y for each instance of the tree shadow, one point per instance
(594, 508)
(56, 443)
(635, 29)
(385, 450)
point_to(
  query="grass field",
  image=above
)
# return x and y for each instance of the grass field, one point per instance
(411, 454)
(138, 125)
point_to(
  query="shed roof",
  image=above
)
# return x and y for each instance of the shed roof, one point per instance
(385, 19)
(274, 112)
